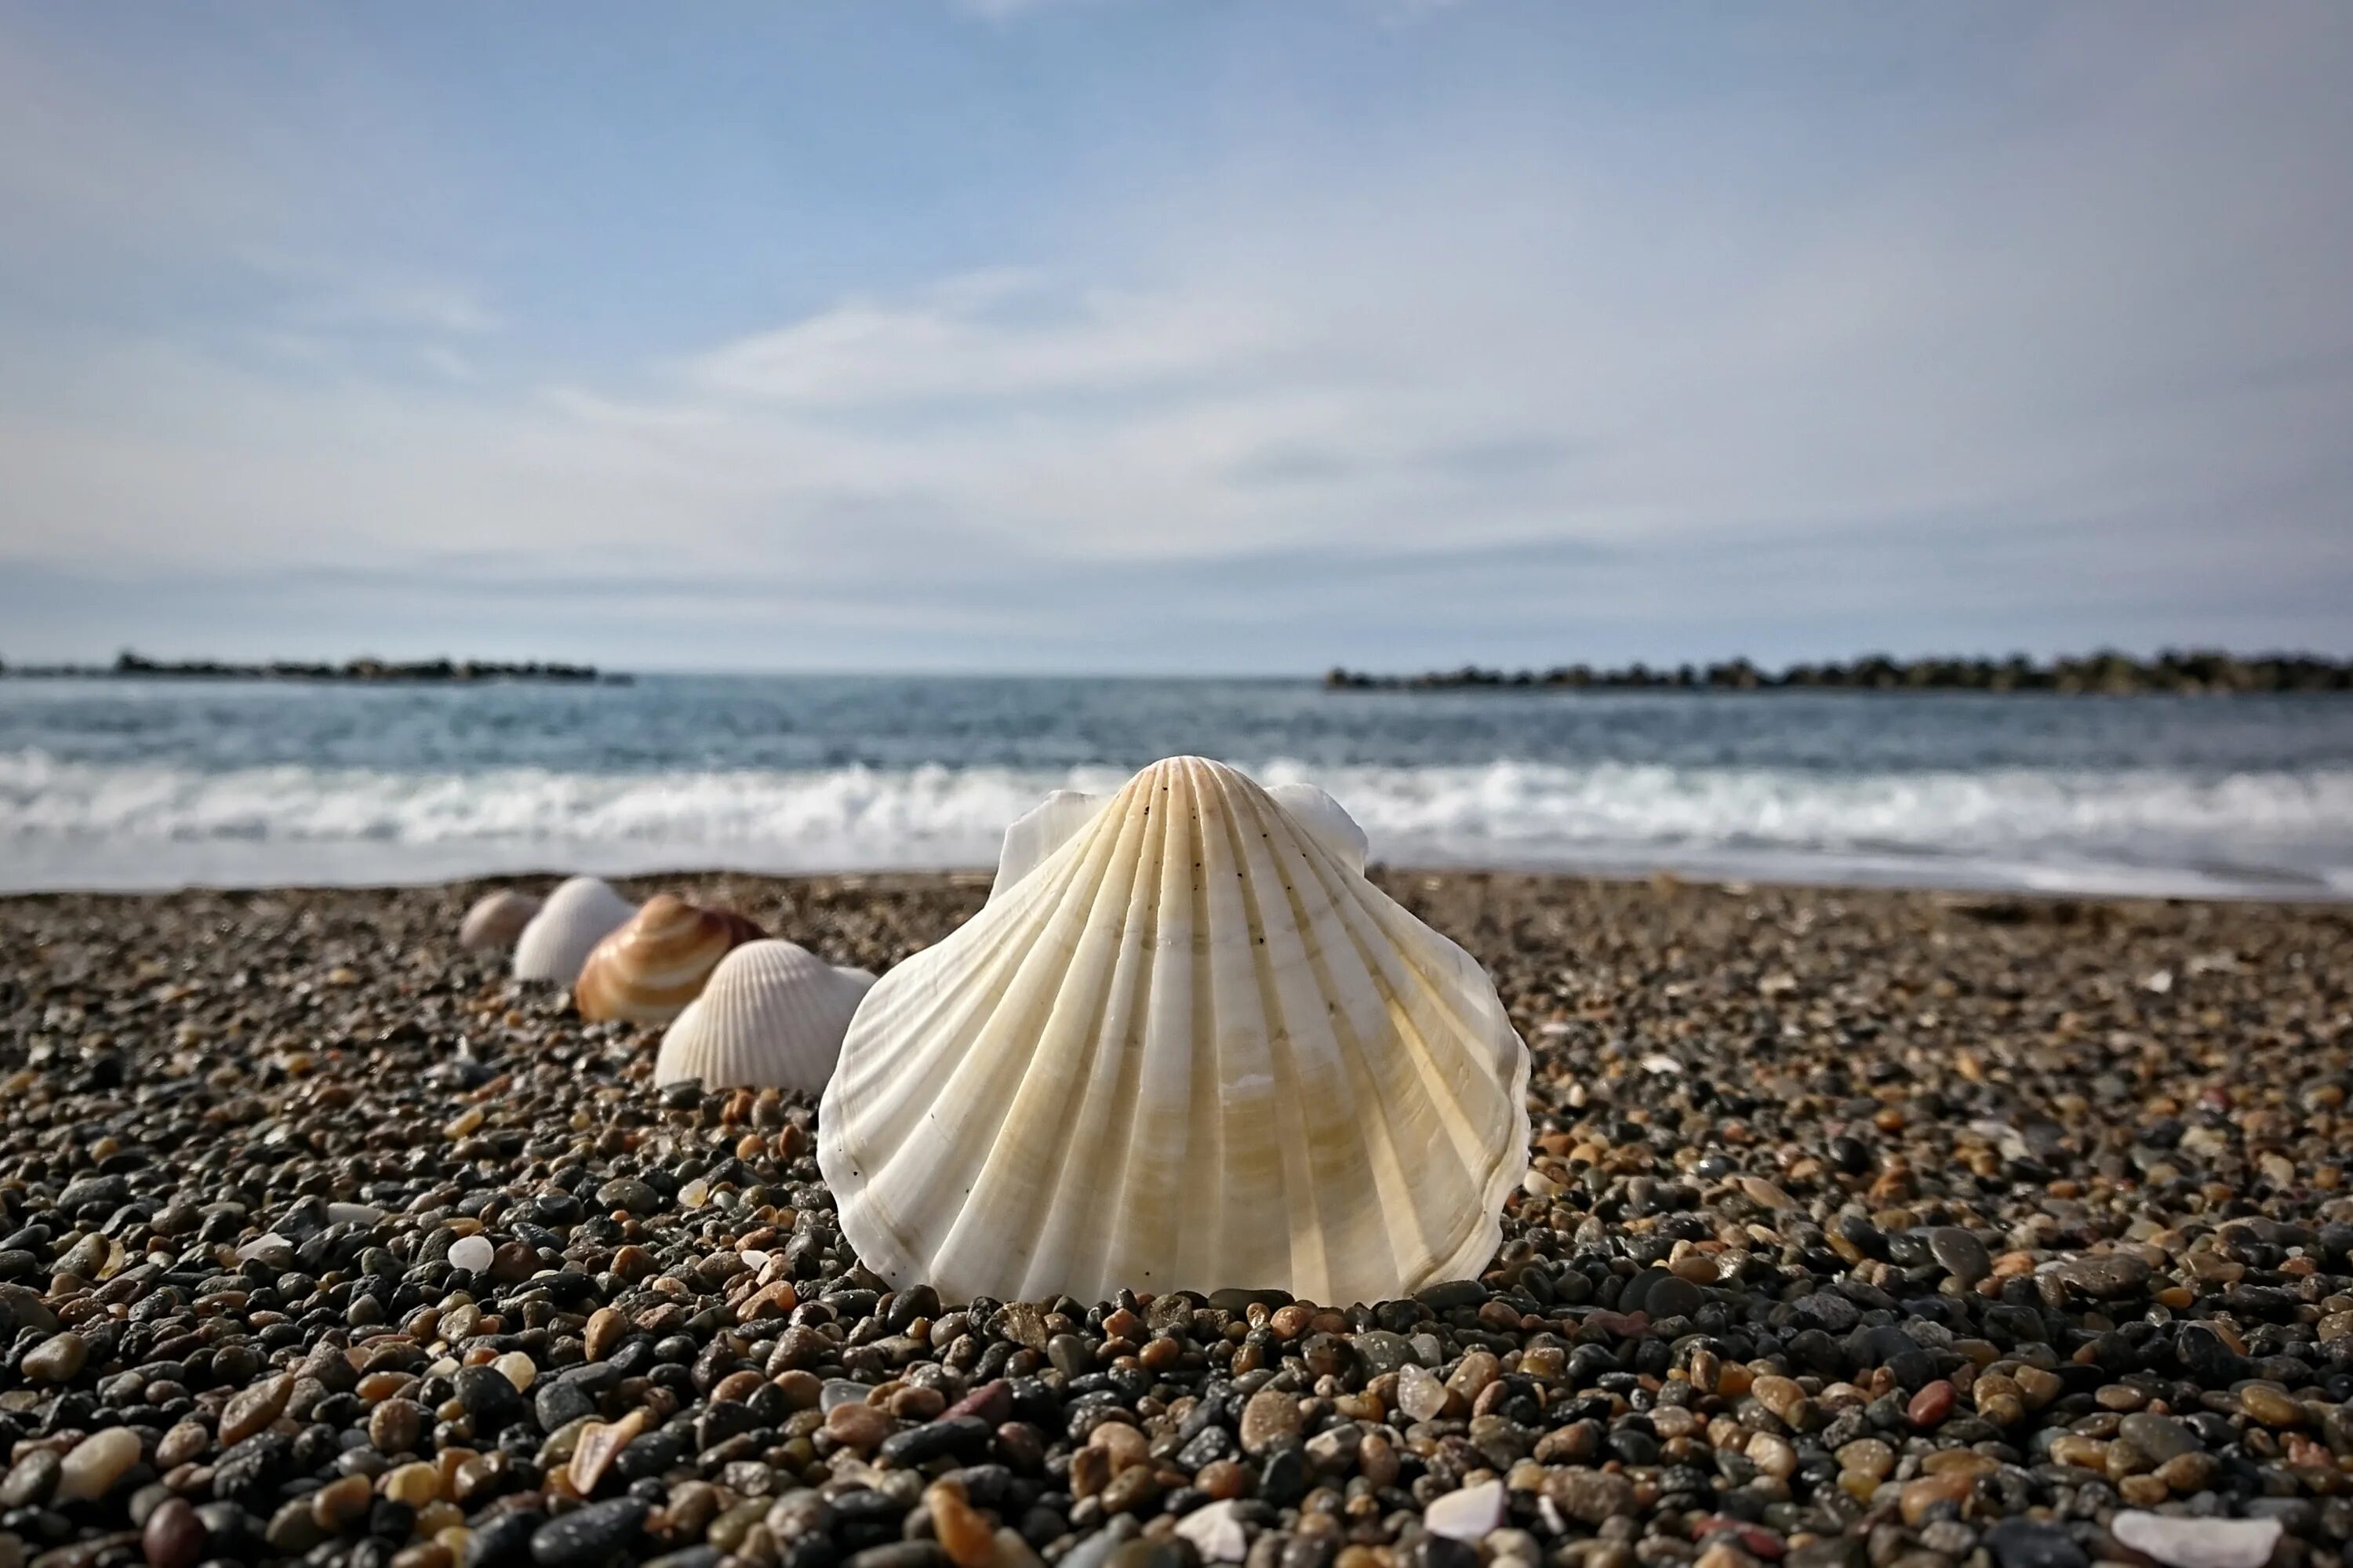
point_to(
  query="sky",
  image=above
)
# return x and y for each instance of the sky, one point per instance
(1105, 335)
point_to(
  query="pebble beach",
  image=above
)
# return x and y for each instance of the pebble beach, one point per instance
(1864, 1230)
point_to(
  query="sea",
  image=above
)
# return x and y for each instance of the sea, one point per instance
(108, 783)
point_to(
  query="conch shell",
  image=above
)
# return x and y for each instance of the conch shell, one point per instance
(772, 1016)
(1184, 1046)
(648, 969)
(576, 918)
(495, 921)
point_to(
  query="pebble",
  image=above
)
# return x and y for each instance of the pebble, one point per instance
(473, 1253)
(56, 1359)
(31, 1479)
(1216, 1533)
(2161, 1438)
(174, 1536)
(2181, 1543)
(587, 1534)
(1962, 1254)
(1960, 1246)
(1468, 1514)
(249, 1412)
(1270, 1418)
(93, 1465)
(1420, 1395)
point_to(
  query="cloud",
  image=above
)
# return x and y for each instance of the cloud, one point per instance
(988, 336)
(2074, 356)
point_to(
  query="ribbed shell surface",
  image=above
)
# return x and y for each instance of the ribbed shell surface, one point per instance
(773, 1016)
(654, 964)
(1193, 1048)
(580, 913)
(495, 921)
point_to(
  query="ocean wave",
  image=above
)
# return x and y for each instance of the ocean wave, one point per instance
(2145, 829)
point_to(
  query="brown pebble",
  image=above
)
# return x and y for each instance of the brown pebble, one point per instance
(186, 1440)
(2188, 1474)
(599, 1444)
(1223, 1479)
(56, 1359)
(1271, 1417)
(1932, 1404)
(1918, 1497)
(342, 1502)
(93, 1465)
(414, 1485)
(394, 1425)
(174, 1535)
(962, 1533)
(255, 1408)
(859, 1426)
(2270, 1405)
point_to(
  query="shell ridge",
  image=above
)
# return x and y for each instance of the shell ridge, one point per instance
(946, 1005)
(1448, 1093)
(1139, 1182)
(1048, 1070)
(772, 1014)
(1348, 1107)
(1096, 1063)
(1441, 989)
(1189, 980)
(1251, 1144)
(1486, 1023)
(1392, 1193)
(1302, 1209)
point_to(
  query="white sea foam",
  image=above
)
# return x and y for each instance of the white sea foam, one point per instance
(81, 824)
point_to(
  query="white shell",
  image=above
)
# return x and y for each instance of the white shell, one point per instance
(1050, 825)
(496, 919)
(1038, 833)
(582, 912)
(773, 1015)
(1191, 1048)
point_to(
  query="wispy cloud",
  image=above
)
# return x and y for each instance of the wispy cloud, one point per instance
(2077, 356)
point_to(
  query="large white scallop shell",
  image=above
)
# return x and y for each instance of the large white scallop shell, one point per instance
(1188, 1046)
(773, 1015)
(582, 912)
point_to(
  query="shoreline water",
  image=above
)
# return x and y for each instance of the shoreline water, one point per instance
(136, 783)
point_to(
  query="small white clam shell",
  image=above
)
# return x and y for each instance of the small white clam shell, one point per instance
(495, 921)
(771, 1016)
(1190, 1047)
(582, 912)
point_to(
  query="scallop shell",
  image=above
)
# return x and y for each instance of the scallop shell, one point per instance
(773, 1016)
(648, 969)
(1184, 1046)
(580, 913)
(495, 921)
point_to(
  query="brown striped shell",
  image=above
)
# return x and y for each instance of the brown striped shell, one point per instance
(648, 969)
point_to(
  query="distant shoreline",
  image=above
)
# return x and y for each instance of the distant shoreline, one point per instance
(2096, 674)
(133, 667)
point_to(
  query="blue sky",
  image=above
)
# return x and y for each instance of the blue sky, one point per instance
(1101, 335)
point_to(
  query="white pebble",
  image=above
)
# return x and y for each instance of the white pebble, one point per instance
(2198, 1542)
(1215, 1533)
(1468, 1514)
(471, 1252)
